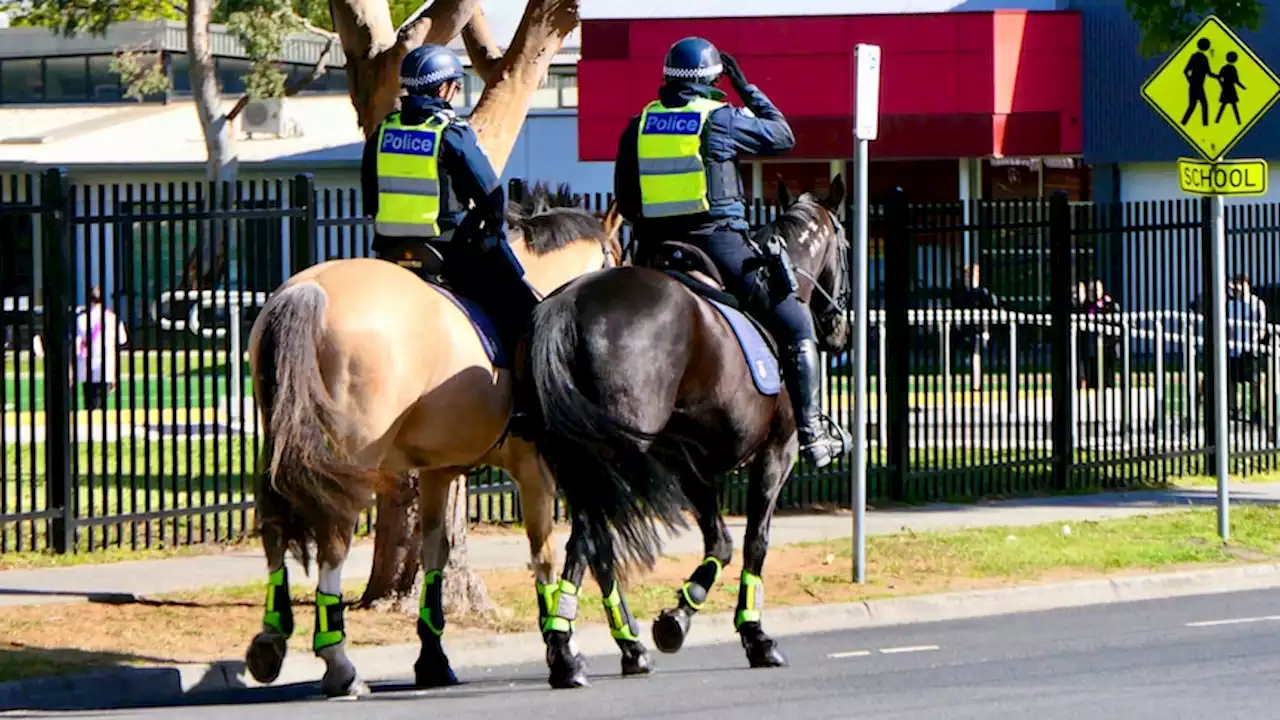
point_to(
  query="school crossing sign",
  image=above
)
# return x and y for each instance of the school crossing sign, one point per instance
(1212, 89)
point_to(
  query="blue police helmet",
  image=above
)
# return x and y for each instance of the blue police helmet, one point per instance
(692, 60)
(426, 67)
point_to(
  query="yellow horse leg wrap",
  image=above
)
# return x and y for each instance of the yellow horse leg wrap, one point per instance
(557, 606)
(750, 599)
(279, 612)
(621, 622)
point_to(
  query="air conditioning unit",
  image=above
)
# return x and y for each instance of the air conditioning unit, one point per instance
(267, 116)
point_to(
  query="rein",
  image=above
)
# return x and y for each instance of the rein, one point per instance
(836, 304)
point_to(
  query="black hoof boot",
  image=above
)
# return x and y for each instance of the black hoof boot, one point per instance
(670, 629)
(266, 656)
(568, 669)
(432, 669)
(635, 659)
(762, 650)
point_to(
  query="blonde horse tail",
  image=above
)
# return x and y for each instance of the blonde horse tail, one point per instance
(305, 492)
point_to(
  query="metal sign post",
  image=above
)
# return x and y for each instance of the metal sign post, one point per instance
(1177, 92)
(866, 114)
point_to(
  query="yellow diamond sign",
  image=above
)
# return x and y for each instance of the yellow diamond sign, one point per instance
(1212, 89)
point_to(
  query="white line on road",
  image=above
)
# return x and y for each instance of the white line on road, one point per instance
(1233, 621)
(849, 654)
(912, 648)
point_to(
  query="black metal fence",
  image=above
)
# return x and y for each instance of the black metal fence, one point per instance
(1016, 379)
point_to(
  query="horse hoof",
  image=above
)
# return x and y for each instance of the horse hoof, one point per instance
(265, 657)
(568, 669)
(765, 655)
(352, 687)
(569, 678)
(670, 629)
(636, 663)
(433, 675)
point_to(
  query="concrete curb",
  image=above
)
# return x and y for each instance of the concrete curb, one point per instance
(151, 685)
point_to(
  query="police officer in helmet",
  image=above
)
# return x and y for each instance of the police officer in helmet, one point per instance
(420, 151)
(673, 190)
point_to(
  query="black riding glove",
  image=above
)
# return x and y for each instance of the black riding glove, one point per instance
(733, 72)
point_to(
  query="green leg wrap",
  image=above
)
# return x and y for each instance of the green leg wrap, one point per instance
(750, 599)
(329, 622)
(279, 613)
(695, 590)
(621, 622)
(431, 605)
(557, 606)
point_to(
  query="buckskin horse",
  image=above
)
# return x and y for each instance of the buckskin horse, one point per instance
(362, 371)
(650, 385)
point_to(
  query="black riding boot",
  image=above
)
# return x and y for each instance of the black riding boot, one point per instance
(510, 304)
(804, 384)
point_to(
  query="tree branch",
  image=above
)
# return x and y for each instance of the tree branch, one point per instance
(317, 71)
(481, 47)
(435, 21)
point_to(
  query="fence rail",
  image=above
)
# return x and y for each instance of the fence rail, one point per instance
(1009, 373)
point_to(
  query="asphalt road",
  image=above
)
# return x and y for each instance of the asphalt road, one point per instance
(1211, 656)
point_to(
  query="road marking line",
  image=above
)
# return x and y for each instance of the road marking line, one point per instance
(912, 648)
(848, 654)
(1233, 621)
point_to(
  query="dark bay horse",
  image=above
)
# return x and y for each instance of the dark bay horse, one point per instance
(648, 393)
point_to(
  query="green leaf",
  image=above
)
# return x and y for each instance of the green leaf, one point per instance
(1166, 23)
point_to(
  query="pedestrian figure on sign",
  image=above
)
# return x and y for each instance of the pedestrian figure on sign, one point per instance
(1196, 71)
(1230, 80)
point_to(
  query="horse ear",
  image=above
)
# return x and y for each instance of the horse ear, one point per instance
(784, 194)
(835, 194)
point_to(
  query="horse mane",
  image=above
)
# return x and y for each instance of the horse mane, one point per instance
(549, 221)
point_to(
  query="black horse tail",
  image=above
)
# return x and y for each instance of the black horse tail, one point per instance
(615, 489)
(306, 493)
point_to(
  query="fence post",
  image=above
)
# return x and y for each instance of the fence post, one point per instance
(1062, 381)
(302, 226)
(898, 255)
(57, 279)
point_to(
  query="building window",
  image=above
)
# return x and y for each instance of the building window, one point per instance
(179, 74)
(21, 81)
(66, 79)
(568, 90)
(104, 85)
(231, 72)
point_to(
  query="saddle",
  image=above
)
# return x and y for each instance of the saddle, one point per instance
(425, 261)
(696, 271)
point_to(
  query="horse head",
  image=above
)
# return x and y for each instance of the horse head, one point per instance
(810, 227)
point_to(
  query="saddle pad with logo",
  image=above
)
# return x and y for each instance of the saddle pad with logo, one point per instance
(484, 328)
(761, 360)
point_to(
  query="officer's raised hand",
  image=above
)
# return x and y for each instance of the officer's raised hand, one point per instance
(734, 72)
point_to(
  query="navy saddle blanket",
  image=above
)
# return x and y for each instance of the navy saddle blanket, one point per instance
(760, 359)
(484, 327)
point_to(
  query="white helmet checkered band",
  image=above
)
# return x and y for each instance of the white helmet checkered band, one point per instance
(434, 78)
(693, 73)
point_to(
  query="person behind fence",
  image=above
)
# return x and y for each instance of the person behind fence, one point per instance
(676, 178)
(98, 335)
(420, 152)
(1246, 327)
(970, 337)
(1103, 305)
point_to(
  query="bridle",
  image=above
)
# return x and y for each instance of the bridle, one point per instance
(838, 304)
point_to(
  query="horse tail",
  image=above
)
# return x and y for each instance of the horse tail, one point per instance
(305, 492)
(613, 486)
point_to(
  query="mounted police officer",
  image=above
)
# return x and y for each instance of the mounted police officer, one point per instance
(674, 189)
(420, 152)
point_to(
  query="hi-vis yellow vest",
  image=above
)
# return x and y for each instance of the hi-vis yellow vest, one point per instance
(673, 177)
(408, 170)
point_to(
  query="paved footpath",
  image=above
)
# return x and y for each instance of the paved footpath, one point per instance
(496, 551)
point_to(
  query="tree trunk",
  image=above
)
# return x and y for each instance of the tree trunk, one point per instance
(374, 51)
(222, 166)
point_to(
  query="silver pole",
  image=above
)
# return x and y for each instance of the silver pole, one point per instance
(1218, 293)
(859, 463)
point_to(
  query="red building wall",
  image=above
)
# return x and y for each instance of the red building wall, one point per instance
(952, 85)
